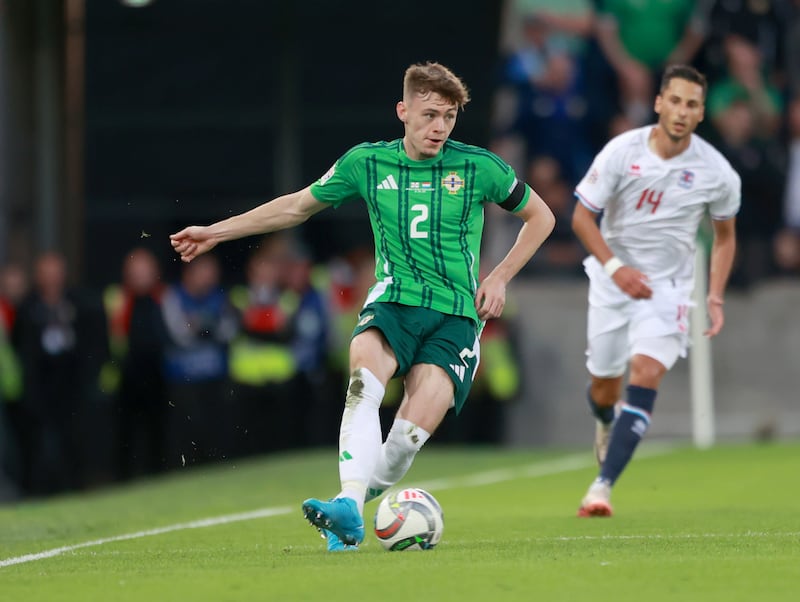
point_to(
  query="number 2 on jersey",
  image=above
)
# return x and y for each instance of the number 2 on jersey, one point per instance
(422, 210)
(650, 197)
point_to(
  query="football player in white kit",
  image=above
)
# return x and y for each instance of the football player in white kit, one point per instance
(653, 185)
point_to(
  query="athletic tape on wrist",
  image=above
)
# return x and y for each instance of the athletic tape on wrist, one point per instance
(612, 265)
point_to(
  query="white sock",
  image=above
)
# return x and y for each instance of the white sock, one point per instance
(360, 434)
(403, 442)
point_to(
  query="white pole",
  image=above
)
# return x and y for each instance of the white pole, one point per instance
(700, 367)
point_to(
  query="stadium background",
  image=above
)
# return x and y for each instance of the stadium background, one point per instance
(121, 124)
(185, 110)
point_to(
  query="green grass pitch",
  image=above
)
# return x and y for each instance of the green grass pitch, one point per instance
(721, 524)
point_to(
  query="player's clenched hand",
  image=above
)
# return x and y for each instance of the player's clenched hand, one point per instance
(632, 282)
(490, 298)
(192, 241)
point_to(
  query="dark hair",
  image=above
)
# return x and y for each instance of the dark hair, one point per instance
(424, 78)
(686, 72)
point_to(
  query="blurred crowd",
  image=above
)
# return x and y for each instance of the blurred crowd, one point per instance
(574, 73)
(149, 376)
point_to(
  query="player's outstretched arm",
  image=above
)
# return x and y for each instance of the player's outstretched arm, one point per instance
(278, 214)
(539, 221)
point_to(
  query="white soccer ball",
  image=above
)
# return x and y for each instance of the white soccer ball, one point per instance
(409, 519)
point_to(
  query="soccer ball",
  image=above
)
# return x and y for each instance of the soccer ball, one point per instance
(409, 519)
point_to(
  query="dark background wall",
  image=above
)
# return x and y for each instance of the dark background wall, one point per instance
(197, 109)
(32, 108)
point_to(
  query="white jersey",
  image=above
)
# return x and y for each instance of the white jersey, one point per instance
(652, 207)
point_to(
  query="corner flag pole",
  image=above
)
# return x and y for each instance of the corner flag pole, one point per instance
(700, 366)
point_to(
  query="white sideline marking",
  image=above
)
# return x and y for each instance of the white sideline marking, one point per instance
(541, 469)
(195, 524)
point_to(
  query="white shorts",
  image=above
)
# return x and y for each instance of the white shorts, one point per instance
(619, 327)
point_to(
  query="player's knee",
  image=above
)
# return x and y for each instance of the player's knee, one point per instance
(606, 374)
(647, 371)
(364, 345)
(605, 392)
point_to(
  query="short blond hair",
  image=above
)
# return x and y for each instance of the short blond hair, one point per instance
(426, 78)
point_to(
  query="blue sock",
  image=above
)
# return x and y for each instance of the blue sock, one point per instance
(629, 429)
(603, 414)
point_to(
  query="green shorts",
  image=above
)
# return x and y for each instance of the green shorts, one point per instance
(424, 336)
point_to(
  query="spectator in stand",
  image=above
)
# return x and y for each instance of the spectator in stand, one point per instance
(638, 38)
(746, 80)
(136, 370)
(544, 76)
(571, 19)
(200, 324)
(745, 118)
(263, 369)
(60, 341)
(759, 161)
(763, 23)
(10, 383)
(563, 254)
(310, 348)
(13, 289)
(351, 276)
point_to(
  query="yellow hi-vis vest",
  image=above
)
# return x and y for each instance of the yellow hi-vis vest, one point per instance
(256, 362)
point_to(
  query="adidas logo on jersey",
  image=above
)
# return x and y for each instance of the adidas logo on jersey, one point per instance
(388, 183)
(459, 371)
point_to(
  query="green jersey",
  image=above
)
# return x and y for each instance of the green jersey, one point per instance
(427, 217)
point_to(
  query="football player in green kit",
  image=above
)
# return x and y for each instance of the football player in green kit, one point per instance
(422, 318)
